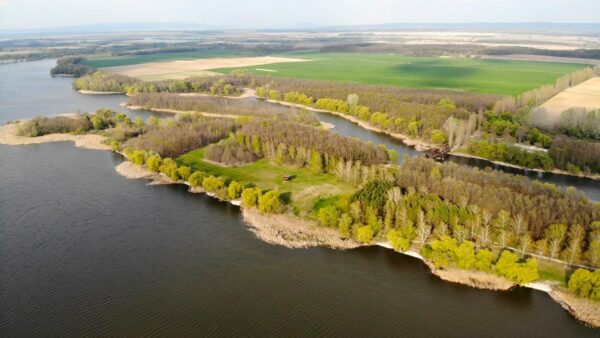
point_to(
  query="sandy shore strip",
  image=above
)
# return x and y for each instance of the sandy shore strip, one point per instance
(8, 135)
(94, 92)
(293, 232)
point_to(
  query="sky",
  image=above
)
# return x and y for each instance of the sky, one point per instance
(34, 14)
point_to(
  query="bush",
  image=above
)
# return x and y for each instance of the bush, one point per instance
(169, 168)
(509, 267)
(250, 197)
(184, 173)
(328, 216)
(153, 163)
(234, 190)
(213, 184)
(365, 234)
(397, 240)
(138, 157)
(344, 225)
(585, 284)
(196, 178)
(270, 203)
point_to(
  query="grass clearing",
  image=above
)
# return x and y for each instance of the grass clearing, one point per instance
(505, 77)
(551, 271)
(306, 188)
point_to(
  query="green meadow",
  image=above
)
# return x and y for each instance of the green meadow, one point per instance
(305, 188)
(504, 77)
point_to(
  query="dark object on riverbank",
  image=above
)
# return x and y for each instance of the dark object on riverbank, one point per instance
(438, 154)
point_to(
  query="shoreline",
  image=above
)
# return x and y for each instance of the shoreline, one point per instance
(294, 232)
(94, 92)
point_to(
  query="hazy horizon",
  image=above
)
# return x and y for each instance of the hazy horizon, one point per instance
(230, 14)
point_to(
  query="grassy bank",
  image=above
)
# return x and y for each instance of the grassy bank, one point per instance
(304, 187)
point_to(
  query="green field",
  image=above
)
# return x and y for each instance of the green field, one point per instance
(306, 187)
(126, 60)
(505, 77)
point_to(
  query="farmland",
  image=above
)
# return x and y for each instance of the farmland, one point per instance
(506, 77)
(584, 95)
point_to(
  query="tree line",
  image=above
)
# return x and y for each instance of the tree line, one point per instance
(70, 66)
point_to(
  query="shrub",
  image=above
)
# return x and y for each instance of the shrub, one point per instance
(509, 267)
(234, 190)
(365, 234)
(250, 197)
(270, 203)
(184, 172)
(328, 216)
(153, 163)
(196, 178)
(213, 184)
(397, 240)
(585, 284)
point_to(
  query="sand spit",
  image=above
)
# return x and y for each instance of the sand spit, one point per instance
(8, 135)
(94, 92)
(133, 171)
(293, 232)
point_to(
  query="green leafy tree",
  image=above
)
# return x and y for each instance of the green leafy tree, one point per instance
(153, 163)
(328, 216)
(196, 178)
(365, 234)
(138, 157)
(484, 260)
(397, 240)
(270, 203)
(509, 267)
(585, 284)
(345, 225)
(184, 173)
(250, 197)
(234, 190)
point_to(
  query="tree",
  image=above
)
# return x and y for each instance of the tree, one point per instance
(593, 253)
(184, 173)
(270, 203)
(585, 284)
(138, 157)
(344, 225)
(328, 216)
(196, 178)
(509, 267)
(483, 260)
(555, 234)
(365, 234)
(234, 190)
(250, 197)
(316, 162)
(397, 240)
(576, 237)
(423, 229)
(153, 163)
(502, 221)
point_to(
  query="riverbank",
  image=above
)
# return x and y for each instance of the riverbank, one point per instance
(510, 165)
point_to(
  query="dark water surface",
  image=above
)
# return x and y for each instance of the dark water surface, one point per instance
(86, 252)
(27, 90)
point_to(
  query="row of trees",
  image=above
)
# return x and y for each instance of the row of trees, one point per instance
(446, 251)
(229, 152)
(511, 154)
(537, 96)
(575, 155)
(108, 82)
(269, 202)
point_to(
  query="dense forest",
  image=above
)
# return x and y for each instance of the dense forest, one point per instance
(70, 66)
(212, 105)
(108, 82)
